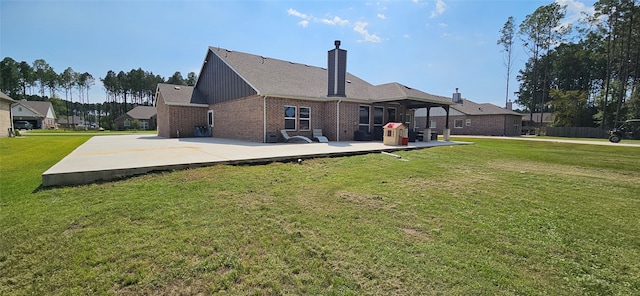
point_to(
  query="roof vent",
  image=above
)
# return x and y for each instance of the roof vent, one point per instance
(348, 81)
(176, 87)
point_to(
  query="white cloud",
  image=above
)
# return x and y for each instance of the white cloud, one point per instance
(440, 8)
(406, 36)
(360, 27)
(296, 13)
(575, 11)
(335, 21)
(442, 25)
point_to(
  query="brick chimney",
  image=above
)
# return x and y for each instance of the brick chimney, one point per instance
(337, 71)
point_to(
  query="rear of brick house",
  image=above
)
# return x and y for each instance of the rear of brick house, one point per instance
(247, 97)
(470, 118)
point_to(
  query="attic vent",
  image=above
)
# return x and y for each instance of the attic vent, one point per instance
(176, 87)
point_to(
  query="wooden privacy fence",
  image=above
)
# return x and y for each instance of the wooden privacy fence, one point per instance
(577, 132)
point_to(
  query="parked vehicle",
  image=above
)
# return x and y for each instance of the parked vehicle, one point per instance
(629, 129)
(22, 125)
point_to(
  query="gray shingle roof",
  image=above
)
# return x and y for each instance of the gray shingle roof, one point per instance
(3, 96)
(142, 112)
(273, 77)
(472, 108)
(40, 106)
(177, 94)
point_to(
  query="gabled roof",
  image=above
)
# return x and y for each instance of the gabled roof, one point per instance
(3, 96)
(142, 112)
(41, 107)
(28, 107)
(179, 95)
(278, 78)
(471, 108)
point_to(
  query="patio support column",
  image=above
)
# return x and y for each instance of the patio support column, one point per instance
(426, 136)
(446, 132)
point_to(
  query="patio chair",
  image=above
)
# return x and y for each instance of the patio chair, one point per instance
(317, 134)
(287, 138)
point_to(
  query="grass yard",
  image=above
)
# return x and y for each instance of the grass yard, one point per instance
(501, 217)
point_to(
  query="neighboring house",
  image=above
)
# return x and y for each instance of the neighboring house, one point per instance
(470, 118)
(39, 113)
(251, 97)
(145, 115)
(6, 121)
(73, 122)
(531, 122)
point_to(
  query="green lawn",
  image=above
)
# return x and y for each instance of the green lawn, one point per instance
(501, 217)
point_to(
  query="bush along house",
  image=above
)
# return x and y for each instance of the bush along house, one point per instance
(250, 97)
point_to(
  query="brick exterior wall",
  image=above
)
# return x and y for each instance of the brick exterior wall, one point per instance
(485, 125)
(243, 119)
(182, 119)
(239, 119)
(5, 118)
(163, 117)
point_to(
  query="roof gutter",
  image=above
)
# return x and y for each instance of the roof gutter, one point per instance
(338, 120)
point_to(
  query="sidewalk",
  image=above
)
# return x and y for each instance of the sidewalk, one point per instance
(112, 157)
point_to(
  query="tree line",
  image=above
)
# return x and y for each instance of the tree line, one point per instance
(585, 74)
(38, 81)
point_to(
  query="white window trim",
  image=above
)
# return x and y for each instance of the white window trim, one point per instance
(300, 119)
(432, 123)
(467, 122)
(210, 115)
(295, 118)
(127, 122)
(455, 125)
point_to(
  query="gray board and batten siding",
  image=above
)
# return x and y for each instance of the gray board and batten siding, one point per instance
(217, 72)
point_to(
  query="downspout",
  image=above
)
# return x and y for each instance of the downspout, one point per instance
(338, 121)
(264, 119)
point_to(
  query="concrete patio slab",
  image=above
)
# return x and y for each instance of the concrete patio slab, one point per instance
(104, 158)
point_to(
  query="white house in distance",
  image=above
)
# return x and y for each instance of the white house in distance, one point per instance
(38, 113)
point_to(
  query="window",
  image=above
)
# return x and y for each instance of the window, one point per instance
(432, 124)
(468, 122)
(407, 120)
(290, 118)
(391, 114)
(305, 119)
(364, 118)
(144, 124)
(458, 123)
(127, 122)
(210, 118)
(378, 113)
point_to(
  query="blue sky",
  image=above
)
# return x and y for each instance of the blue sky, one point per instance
(435, 46)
